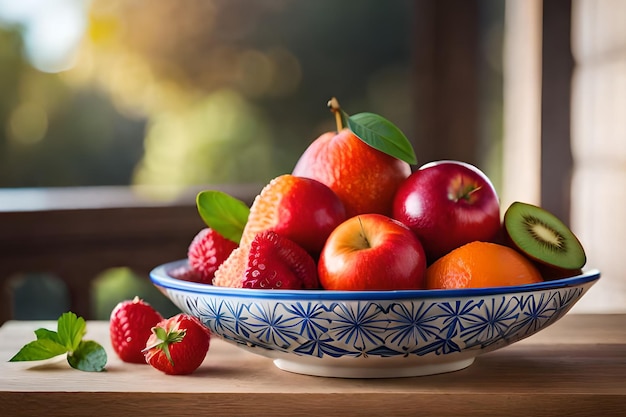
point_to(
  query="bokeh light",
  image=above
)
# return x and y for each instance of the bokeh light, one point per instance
(53, 29)
(175, 94)
(28, 123)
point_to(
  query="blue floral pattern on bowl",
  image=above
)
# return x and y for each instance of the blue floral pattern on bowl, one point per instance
(374, 333)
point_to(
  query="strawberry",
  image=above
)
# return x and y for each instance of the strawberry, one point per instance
(129, 328)
(275, 261)
(205, 254)
(178, 345)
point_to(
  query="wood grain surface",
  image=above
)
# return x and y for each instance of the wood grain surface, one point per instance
(576, 367)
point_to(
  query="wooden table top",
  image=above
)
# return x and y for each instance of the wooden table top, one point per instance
(576, 367)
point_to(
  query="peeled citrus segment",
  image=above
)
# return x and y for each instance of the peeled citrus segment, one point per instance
(481, 264)
(231, 271)
(265, 210)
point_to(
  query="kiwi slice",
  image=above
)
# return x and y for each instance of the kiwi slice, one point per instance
(541, 236)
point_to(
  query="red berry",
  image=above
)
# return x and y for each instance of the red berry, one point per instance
(277, 262)
(178, 345)
(129, 328)
(206, 253)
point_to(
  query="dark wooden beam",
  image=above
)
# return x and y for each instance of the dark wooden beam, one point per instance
(557, 68)
(447, 80)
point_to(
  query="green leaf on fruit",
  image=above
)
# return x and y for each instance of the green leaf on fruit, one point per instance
(381, 134)
(223, 213)
(83, 355)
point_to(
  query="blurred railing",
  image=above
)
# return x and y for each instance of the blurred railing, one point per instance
(76, 233)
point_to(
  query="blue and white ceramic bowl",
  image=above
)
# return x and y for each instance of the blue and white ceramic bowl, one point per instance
(374, 334)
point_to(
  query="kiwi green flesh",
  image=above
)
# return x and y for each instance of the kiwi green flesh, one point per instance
(543, 237)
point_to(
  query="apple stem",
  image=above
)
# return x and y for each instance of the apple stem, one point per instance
(466, 193)
(365, 239)
(333, 105)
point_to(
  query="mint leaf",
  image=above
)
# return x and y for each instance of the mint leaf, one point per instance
(89, 357)
(223, 213)
(38, 350)
(71, 330)
(47, 334)
(381, 134)
(83, 355)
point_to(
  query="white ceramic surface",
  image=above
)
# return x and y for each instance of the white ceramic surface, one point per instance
(374, 334)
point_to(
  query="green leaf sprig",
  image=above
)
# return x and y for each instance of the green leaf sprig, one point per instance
(223, 213)
(376, 131)
(84, 355)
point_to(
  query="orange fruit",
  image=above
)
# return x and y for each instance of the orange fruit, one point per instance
(481, 264)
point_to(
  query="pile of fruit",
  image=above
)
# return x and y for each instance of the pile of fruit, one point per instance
(353, 215)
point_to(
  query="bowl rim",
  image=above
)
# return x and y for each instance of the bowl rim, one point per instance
(160, 277)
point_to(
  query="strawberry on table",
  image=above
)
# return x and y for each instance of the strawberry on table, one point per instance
(130, 326)
(178, 345)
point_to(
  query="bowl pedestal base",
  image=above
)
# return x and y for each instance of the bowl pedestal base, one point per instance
(327, 370)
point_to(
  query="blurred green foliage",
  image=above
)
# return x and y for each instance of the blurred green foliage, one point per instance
(38, 296)
(117, 284)
(82, 139)
(200, 91)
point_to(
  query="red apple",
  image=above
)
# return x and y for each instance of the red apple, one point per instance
(364, 178)
(448, 204)
(372, 252)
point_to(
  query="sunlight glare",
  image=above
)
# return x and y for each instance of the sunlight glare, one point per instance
(52, 29)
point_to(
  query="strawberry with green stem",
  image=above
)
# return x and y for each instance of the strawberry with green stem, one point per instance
(178, 345)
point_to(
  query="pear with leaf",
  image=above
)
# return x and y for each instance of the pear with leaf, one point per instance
(363, 162)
